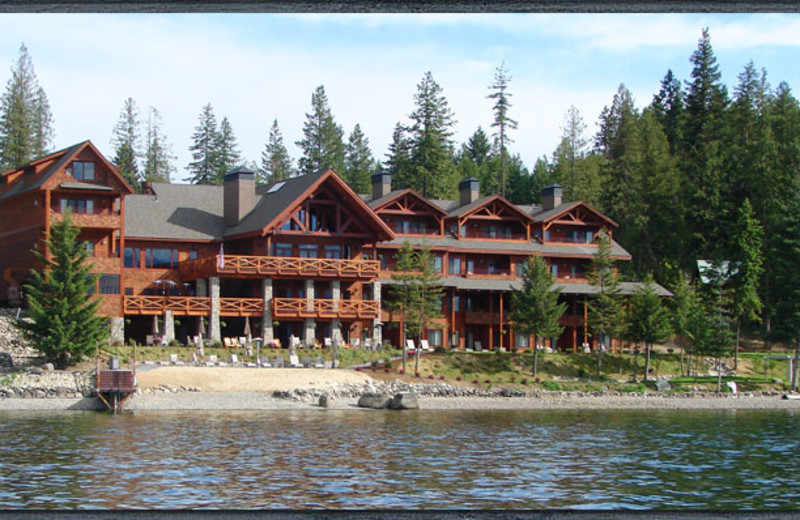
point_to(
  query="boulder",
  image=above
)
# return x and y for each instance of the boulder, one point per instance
(404, 401)
(662, 385)
(376, 401)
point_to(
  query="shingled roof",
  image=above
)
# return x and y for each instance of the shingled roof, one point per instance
(176, 212)
(19, 186)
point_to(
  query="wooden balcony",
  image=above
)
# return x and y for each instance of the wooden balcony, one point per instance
(486, 317)
(192, 306)
(241, 307)
(343, 309)
(99, 220)
(246, 266)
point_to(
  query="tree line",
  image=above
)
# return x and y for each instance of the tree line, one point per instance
(676, 174)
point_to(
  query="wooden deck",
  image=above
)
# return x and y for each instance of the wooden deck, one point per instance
(114, 387)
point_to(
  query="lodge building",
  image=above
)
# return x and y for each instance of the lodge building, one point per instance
(306, 257)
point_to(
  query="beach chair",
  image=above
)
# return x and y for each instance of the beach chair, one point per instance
(410, 348)
(294, 362)
(227, 342)
(478, 346)
(234, 359)
(423, 344)
(328, 342)
(173, 358)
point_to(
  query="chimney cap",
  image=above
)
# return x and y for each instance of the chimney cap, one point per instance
(556, 188)
(240, 171)
(381, 175)
(468, 180)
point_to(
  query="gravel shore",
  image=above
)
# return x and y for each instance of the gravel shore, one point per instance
(262, 401)
(229, 388)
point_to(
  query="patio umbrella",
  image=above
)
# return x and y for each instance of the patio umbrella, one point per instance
(201, 327)
(249, 334)
(154, 330)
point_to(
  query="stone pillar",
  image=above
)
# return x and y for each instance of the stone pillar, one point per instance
(169, 326)
(336, 323)
(267, 332)
(117, 327)
(309, 325)
(377, 326)
(213, 325)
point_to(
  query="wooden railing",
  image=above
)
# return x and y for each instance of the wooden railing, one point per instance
(241, 307)
(253, 266)
(304, 308)
(101, 219)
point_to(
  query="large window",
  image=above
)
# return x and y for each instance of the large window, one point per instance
(83, 171)
(434, 337)
(333, 251)
(521, 340)
(109, 284)
(131, 257)
(77, 205)
(160, 258)
(437, 264)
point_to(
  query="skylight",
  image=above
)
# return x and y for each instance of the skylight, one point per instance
(276, 187)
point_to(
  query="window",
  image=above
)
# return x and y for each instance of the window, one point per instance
(521, 340)
(384, 262)
(77, 206)
(109, 284)
(282, 250)
(589, 237)
(547, 235)
(332, 251)
(83, 171)
(131, 257)
(456, 303)
(437, 264)
(521, 266)
(89, 246)
(454, 265)
(308, 250)
(454, 339)
(193, 254)
(554, 270)
(470, 266)
(160, 258)
(435, 337)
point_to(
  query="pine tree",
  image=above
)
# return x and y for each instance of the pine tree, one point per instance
(26, 123)
(358, 164)
(227, 150)
(668, 108)
(322, 143)
(649, 320)
(519, 181)
(750, 259)
(276, 165)
(535, 307)
(126, 143)
(605, 307)
(205, 155)
(502, 121)
(158, 152)
(708, 208)
(475, 160)
(431, 172)
(569, 157)
(64, 322)
(398, 160)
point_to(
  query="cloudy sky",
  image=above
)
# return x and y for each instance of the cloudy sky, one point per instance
(254, 68)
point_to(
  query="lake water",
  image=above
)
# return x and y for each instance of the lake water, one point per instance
(379, 459)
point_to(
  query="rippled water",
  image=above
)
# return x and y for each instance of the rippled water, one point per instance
(379, 459)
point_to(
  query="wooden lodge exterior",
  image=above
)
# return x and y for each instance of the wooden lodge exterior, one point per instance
(306, 257)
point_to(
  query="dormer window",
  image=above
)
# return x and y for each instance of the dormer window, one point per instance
(83, 171)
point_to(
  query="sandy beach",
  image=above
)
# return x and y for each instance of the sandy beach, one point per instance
(229, 388)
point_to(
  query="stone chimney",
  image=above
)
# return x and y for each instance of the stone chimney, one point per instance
(239, 194)
(469, 190)
(551, 196)
(381, 184)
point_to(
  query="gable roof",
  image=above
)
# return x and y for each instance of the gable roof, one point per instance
(60, 159)
(382, 202)
(275, 204)
(566, 207)
(468, 209)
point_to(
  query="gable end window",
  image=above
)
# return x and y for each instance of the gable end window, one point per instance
(83, 171)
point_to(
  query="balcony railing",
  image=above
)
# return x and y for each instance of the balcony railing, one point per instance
(569, 240)
(485, 272)
(256, 266)
(101, 219)
(192, 306)
(318, 308)
(496, 235)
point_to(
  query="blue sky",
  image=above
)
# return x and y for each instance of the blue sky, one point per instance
(254, 68)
